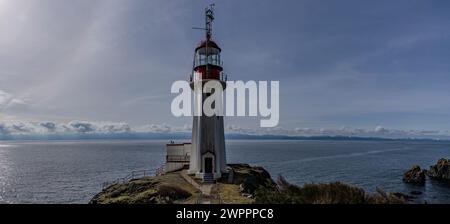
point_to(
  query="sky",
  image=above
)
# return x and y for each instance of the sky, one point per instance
(347, 67)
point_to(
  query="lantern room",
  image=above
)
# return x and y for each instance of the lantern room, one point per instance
(207, 62)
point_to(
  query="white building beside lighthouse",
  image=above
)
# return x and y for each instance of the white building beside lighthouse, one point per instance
(207, 156)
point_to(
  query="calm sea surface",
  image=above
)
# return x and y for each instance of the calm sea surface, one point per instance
(72, 172)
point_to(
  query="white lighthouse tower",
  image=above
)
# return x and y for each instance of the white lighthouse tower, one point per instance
(208, 157)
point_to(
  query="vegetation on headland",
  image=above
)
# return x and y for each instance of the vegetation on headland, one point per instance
(247, 185)
(168, 189)
(332, 193)
(171, 188)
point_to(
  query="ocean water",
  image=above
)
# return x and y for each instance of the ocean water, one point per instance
(73, 171)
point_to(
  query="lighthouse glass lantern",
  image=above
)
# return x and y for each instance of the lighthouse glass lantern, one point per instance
(207, 63)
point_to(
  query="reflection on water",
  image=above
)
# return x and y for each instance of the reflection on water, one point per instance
(7, 146)
(5, 174)
(72, 172)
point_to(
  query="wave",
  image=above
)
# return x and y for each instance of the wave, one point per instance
(348, 155)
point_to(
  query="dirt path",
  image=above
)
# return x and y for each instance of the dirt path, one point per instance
(206, 189)
(209, 193)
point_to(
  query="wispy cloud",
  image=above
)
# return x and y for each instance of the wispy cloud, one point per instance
(10, 102)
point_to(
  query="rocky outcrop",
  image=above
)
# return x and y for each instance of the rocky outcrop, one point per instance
(243, 180)
(414, 176)
(440, 171)
(250, 178)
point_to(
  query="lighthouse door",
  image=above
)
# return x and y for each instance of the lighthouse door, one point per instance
(208, 165)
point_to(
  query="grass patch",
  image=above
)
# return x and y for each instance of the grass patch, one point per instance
(170, 188)
(230, 194)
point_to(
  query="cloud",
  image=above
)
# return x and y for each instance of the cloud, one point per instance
(73, 127)
(82, 127)
(378, 131)
(10, 102)
(162, 128)
(17, 127)
(155, 128)
(21, 128)
(50, 126)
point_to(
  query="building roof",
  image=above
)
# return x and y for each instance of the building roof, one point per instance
(178, 144)
(210, 44)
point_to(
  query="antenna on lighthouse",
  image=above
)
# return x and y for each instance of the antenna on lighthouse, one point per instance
(209, 14)
(209, 18)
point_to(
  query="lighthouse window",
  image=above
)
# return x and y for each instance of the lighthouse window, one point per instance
(213, 57)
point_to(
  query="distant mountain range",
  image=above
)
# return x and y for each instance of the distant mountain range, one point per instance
(186, 135)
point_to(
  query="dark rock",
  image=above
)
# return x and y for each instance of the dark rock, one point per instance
(416, 192)
(415, 175)
(403, 196)
(440, 171)
(250, 178)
